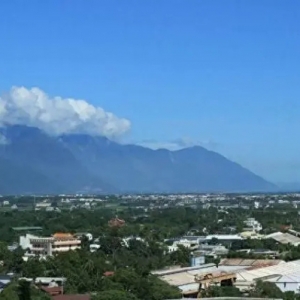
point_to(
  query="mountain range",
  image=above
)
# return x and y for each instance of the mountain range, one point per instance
(31, 161)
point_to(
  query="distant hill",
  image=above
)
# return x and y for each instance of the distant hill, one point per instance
(34, 162)
(288, 186)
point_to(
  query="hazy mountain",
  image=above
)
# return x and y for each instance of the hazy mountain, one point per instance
(289, 186)
(44, 160)
(72, 163)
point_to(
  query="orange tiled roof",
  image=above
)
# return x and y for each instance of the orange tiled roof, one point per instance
(55, 290)
(116, 222)
(108, 273)
(62, 235)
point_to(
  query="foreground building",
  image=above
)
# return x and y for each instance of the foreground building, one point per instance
(238, 272)
(286, 276)
(188, 279)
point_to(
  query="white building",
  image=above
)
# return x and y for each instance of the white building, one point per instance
(256, 204)
(223, 237)
(190, 244)
(59, 242)
(88, 235)
(128, 239)
(184, 278)
(94, 247)
(253, 224)
(285, 275)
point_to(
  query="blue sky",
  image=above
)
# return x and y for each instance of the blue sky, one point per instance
(224, 74)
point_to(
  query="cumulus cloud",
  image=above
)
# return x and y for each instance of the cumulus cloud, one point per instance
(178, 144)
(56, 115)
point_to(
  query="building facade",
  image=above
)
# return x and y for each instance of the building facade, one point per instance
(59, 242)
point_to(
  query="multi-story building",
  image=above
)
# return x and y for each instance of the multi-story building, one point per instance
(59, 242)
(253, 225)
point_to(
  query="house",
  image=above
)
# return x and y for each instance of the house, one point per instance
(116, 222)
(88, 235)
(94, 247)
(14, 207)
(4, 281)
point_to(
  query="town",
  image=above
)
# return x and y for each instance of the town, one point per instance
(180, 246)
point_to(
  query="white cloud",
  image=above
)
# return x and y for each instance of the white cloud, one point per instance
(56, 115)
(177, 144)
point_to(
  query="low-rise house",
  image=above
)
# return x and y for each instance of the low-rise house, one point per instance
(190, 244)
(4, 281)
(94, 247)
(88, 235)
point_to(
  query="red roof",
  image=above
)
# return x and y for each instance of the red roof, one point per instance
(72, 297)
(116, 222)
(55, 290)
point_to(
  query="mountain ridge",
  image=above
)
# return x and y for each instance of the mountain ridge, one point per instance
(80, 162)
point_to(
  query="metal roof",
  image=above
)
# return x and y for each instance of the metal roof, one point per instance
(284, 238)
(224, 237)
(24, 228)
(278, 273)
(187, 277)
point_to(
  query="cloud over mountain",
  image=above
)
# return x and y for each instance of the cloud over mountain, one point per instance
(177, 144)
(56, 115)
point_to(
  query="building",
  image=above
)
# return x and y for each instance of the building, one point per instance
(256, 204)
(184, 278)
(197, 259)
(211, 279)
(126, 241)
(285, 275)
(87, 235)
(224, 239)
(284, 238)
(116, 222)
(251, 235)
(42, 205)
(4, 281)
(250, 263)
(252, 225)
(59, 242)
(187, 243)
(27, 229)
(94, 247)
